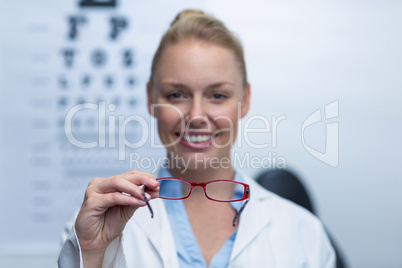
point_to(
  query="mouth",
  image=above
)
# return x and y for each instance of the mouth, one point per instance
(196, 140)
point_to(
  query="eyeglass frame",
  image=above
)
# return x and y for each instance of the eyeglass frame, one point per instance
(246, 194)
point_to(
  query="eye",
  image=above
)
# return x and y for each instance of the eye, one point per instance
(218, 96)
(175, 95)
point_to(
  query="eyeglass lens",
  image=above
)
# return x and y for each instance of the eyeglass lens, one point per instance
(170, 188)
(221, 190)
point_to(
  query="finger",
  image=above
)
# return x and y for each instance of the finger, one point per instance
(118, 199)
(142, 178)
(153, 194)
(138, 172)
(134, 171)
(119, 184)
(153, 190)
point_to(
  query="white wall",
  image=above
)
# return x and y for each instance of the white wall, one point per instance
(304, 55)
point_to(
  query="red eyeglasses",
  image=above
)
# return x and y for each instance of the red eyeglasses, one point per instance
(219, 190)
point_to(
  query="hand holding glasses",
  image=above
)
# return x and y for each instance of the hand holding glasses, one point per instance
(219, 190)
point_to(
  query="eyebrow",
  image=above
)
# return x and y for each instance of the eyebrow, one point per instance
(210, 86)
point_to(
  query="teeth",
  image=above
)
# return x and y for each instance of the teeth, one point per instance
(197, 138)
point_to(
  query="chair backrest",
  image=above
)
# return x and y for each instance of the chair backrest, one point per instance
(285, 184)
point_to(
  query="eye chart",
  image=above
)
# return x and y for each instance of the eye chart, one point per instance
(73, 80)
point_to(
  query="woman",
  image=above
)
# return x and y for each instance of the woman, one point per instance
(197, 90)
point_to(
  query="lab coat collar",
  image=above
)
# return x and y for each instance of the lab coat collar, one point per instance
(158, 231)
(255, 217)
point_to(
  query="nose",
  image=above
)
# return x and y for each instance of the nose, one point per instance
(196, 116)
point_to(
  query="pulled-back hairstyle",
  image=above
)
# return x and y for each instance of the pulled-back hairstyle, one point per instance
(195, 24)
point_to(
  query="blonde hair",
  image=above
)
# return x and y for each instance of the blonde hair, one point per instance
(195, 24)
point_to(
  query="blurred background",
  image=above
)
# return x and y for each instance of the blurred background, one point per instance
(326, 96)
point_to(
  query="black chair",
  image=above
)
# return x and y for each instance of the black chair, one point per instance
(287, 185)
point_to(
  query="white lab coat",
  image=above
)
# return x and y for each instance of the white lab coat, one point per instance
(272, 232)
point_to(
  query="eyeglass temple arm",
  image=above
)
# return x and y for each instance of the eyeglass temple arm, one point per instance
(147, 202)
(237, 217)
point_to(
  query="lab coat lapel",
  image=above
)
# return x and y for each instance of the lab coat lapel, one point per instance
(158, 231)
(254, 218)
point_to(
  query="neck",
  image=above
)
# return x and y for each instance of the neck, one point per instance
(203, 174)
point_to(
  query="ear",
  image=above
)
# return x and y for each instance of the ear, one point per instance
(246, 101)
(149, 99)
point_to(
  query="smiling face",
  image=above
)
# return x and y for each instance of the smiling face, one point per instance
(196, 91)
